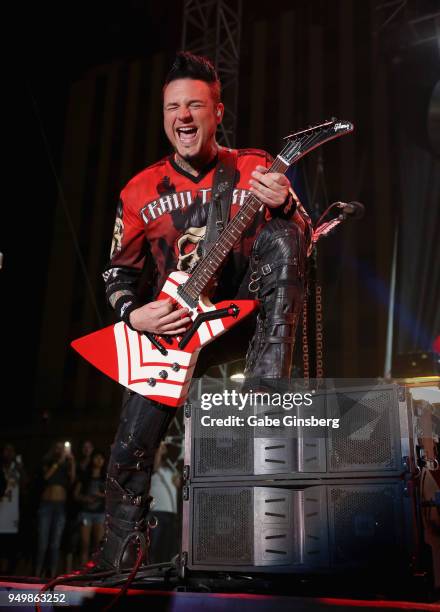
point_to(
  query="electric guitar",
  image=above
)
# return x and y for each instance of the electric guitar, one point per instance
(161, 367)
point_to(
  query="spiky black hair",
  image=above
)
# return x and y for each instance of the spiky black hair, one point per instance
(190, 66)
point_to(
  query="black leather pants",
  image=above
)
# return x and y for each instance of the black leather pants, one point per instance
(142, 426)
(278, 276)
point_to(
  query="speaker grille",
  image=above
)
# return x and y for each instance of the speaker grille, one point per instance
(223, 526)
(223, 456)
(367, 436)
(367, 523)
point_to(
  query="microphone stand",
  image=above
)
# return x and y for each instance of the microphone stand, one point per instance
(313, 313)
(312, 324)
(312, 328)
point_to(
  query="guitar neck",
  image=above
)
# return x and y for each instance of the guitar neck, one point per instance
(297, 146)
(216, 255)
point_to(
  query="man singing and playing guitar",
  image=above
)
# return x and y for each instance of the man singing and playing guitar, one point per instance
(170, 214)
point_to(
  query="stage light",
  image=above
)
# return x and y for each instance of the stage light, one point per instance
(418, 381)
(237, 376)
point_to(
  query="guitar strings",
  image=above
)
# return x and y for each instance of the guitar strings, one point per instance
(192, 283)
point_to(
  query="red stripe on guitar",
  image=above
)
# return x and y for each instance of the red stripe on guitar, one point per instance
(163, 365)
(165, 382)
(211, 333)
(141, 352)
(169, 382)
(140, 348)
(128, 353)
(171, 280)
(209, 329)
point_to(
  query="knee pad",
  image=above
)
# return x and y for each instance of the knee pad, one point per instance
(278, 257)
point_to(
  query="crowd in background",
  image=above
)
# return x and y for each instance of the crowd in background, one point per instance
(52, 517)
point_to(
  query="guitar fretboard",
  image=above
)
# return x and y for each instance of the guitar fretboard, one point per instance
(216, 255)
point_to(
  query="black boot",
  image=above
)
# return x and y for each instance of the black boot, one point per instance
(142, 427)
(278, 270)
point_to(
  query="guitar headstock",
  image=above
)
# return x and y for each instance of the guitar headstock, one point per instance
(303, 142)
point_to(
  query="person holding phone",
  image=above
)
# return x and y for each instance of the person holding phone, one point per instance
(58, 474)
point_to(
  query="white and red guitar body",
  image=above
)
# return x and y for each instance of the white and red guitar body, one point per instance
(134, 361)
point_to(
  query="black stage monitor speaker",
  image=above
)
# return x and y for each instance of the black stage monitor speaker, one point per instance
(301, 528)
(373, 437)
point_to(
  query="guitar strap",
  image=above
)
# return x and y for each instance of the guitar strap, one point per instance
(222, 190)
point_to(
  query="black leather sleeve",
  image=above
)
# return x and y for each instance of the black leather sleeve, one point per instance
(120, 289)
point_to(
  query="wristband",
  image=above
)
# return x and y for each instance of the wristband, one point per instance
(124, 306)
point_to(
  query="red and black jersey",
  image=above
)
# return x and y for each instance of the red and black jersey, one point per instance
(162, 215)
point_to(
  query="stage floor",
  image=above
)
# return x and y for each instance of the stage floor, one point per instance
(98, 598)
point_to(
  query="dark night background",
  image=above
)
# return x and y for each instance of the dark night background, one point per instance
(86, 109)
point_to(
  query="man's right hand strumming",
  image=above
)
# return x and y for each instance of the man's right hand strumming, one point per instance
(160, 317)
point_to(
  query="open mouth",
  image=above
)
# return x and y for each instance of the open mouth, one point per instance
(187, 135)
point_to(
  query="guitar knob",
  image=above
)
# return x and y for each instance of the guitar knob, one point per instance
(175, 367)
(163, 374)
(151, 382)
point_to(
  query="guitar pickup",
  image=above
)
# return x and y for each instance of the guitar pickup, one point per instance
(231, 311)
